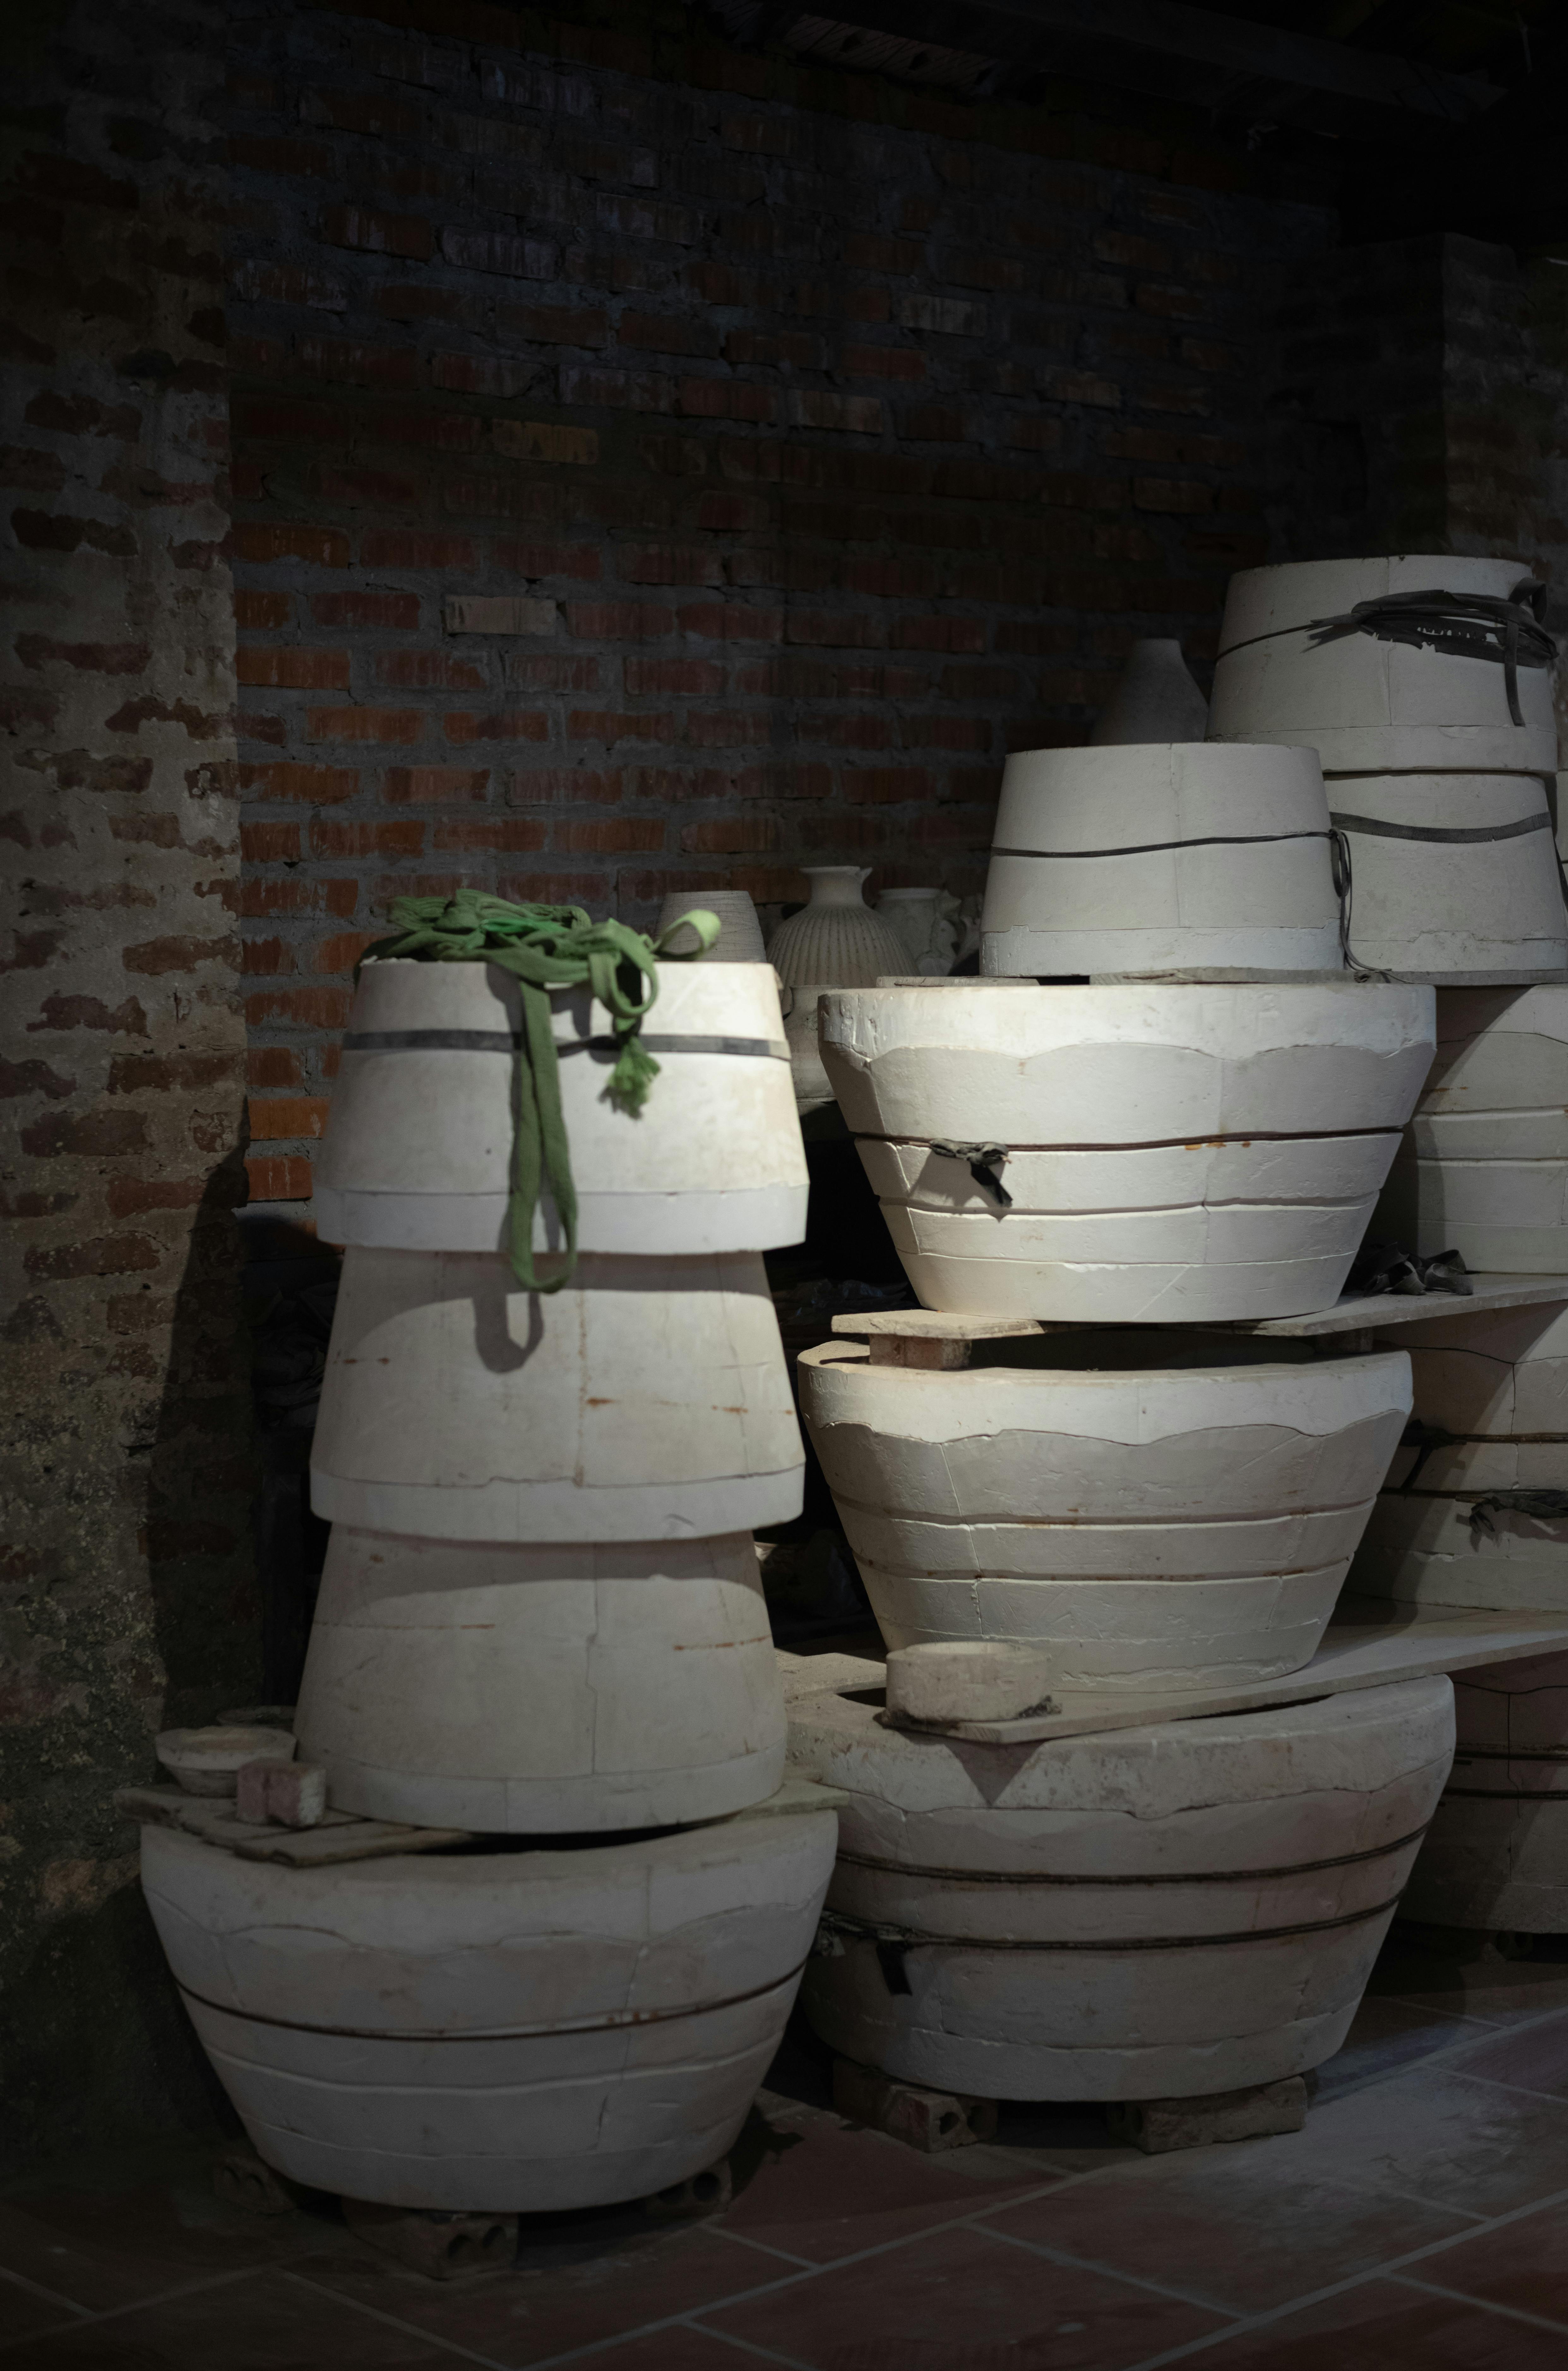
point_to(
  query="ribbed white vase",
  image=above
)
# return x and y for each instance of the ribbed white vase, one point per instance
(837, 941)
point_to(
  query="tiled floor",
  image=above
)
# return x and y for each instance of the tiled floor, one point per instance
(1420, 2219)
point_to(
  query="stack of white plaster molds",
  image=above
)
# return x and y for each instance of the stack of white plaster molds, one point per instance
(541, 1622)
(1442, 796)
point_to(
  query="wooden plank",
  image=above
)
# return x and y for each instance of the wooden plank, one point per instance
(1355, 1313)
(1369, 1644)
(325, 1847)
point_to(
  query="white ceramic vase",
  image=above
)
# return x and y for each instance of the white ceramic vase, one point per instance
(1155, 699)
(523, 2030)
(1159, 1511)
(740, 936)
(1149, 1913)
(835, 940)
(927, 921)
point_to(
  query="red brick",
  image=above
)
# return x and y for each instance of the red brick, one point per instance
(341, 954)
(272, 1066)
(1172, 494)
(621, 621)
(727, 399)
(267, 958)
(279, 1177)
(378, 234)
(397, 547)
(756, 834)
(835, 629)
(509, 724)
(554, 325)
(626, 835)
(286, 779)
(731, 621)
(105, 1256)
(262, 899)
(939, 634)
(884, 361)
(376, 115)
(699, 678)
(295, 669)
(665, 563)
(429, 671)
(606, 724)
(385, 725)
(270, 843)
(332, 837)
(513, 835)
(261, 612)
(298, 159)
(259, 540)
(335, 611)
(421, 785)
(579, 559)
(306, 1008)
(674, 333)
(564, 785)
(275, 1117)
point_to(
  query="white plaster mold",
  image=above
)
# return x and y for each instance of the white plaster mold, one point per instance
(649, 1400)
(522, 2031)
(1179, 856)
(1156, 1913)
(418, 1151)
(544, 1689)
(1159, 1511)
(1173, 1153)
(1365, 705)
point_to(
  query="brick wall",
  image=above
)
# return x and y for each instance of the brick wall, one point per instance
(658, 467)
(125, 1596)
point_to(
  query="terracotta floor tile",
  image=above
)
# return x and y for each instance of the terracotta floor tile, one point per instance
(1230, 2228)
(265, 2321)
(963, 2301)
(1524, 2265)
(1537, 2060)
(523, 2316)
(1434, 2136)
(23, 2313)
(1456, 1969)
(112, 2241)
(1386, 2327)
(1386, 2035)
(833, 2190)
(681, 2348)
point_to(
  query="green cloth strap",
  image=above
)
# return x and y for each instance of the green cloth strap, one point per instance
(547, 947)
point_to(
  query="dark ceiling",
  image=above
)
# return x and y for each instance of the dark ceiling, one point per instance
(1414, 115)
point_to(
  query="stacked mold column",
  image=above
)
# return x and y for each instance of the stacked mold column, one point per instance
(541, 1627)
(1169, 1107)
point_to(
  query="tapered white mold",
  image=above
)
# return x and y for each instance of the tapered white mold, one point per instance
(1172, 1153)
(1176, 856)
(1149, 1914)
(649, 1400)
(464, 1684)
(1159, 1510)
(418, 1149)
(1483, 1167)
(1491, 1400)
(1452, 874)
(1496, 1853)
(522, 2031)
(1367, 705)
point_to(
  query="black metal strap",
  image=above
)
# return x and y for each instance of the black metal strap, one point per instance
(1159, 846)
(502, 1041)
(1463, 625)
(1375, 828)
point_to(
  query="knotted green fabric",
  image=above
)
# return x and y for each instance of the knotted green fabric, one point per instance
(547, 947)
